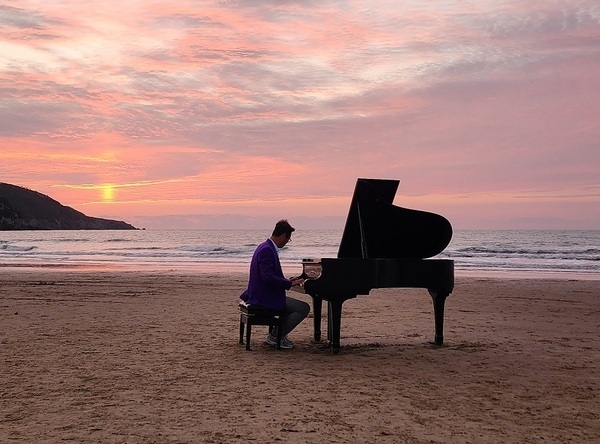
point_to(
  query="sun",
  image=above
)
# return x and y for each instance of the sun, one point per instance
(108, 193)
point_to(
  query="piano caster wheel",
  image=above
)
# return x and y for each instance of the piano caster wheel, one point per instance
(335, 348)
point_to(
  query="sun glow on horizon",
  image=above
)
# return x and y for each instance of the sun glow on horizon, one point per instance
(108, 193)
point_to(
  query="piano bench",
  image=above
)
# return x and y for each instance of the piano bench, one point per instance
(252, 315)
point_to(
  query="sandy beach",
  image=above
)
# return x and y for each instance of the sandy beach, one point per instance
(133, 357)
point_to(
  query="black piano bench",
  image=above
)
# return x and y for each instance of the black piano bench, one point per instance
(252, 315)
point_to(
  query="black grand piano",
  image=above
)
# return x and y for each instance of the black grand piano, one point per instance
(382, 246)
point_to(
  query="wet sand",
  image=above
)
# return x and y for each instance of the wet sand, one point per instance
(132, 357)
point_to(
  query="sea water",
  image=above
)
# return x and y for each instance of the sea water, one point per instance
(515, 253)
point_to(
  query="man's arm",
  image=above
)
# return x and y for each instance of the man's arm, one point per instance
(267, 266)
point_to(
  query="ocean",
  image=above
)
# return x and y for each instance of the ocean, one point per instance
(519, 253)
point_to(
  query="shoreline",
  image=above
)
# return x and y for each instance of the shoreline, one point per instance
(291, 269)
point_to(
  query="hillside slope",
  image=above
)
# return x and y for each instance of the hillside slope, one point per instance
(24, 209)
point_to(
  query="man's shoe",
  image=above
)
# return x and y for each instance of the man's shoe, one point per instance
(285, 342)
(271, 340)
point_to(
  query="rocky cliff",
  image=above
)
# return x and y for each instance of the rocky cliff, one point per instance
(24, 209)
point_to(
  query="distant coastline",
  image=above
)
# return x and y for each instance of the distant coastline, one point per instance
(24, 209)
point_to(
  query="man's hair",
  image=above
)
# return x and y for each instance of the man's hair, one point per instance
(283, 227)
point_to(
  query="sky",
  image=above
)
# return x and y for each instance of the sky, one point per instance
(234, 114)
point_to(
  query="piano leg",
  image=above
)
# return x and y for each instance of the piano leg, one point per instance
(439, 299)
(334, 324)
(317, 310)
(329, 324)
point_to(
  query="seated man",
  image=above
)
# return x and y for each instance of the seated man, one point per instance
(267, 285)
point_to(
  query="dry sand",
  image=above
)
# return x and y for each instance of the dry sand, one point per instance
(130, 357)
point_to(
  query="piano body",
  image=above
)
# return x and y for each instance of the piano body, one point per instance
(382, 246)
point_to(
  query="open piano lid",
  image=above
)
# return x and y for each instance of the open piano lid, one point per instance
(375, 228)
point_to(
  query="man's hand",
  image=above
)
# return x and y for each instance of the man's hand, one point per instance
(297, 281)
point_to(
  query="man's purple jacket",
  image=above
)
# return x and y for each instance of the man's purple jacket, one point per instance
(266, 284)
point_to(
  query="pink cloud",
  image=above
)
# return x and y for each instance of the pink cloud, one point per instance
(204, 106)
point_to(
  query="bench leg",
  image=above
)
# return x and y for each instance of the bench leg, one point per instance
(279, 336)
(241, 330)
(248, 333)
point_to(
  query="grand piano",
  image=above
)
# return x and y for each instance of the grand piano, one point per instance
(382, 246)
